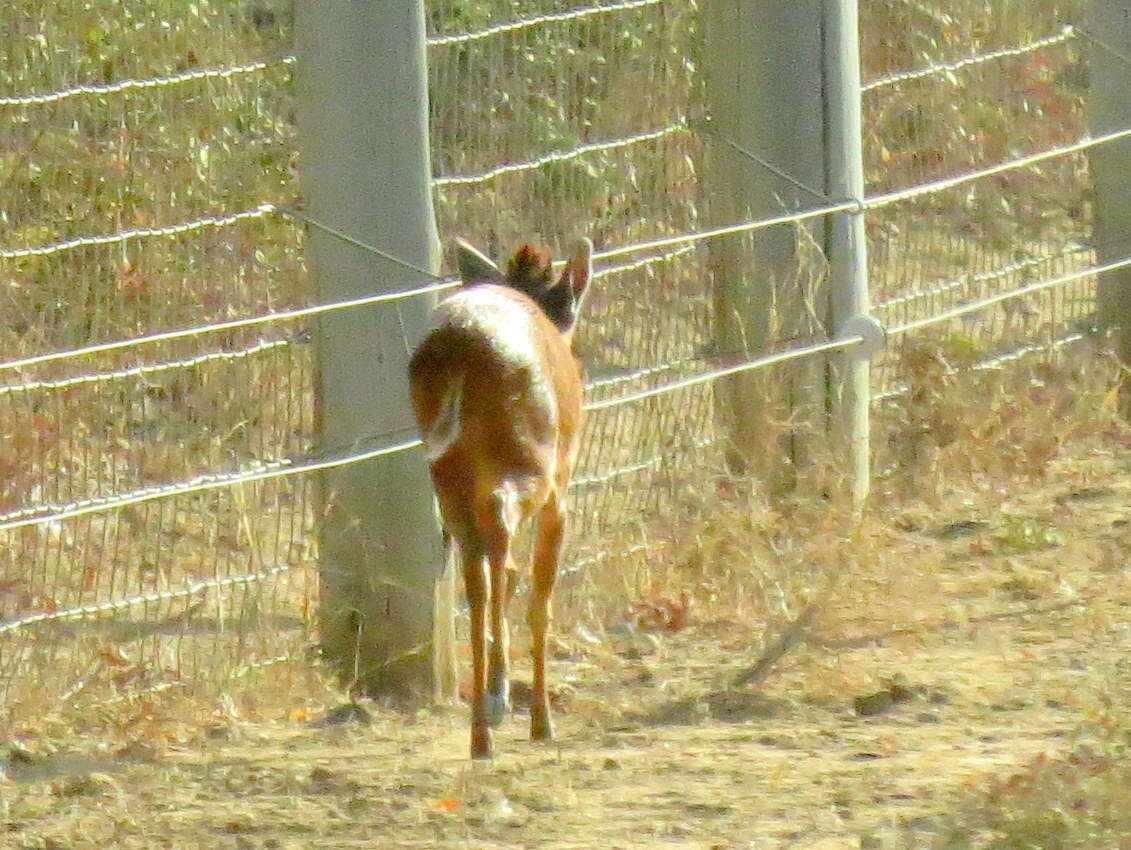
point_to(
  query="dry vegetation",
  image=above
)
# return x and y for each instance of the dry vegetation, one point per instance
(948, 671)
(954, 675)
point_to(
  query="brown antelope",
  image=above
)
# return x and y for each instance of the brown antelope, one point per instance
(497, 393)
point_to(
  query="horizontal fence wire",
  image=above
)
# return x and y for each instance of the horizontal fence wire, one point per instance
(134, 85)
(47, 513)
(995, 361)
(440, 284)
(564, 155)
(999, 360)
(232, 71)
(965, 280)
(600, 479)
(716, 374)
(284, 468)
(148, 369)
(204, 223)
(212, 481)
(638, 374)
(983, 303)
(888, 198)
(727, 230)
(539, 20)
(195, 588)
(1066, 33)
(233, 324)
(635, 265)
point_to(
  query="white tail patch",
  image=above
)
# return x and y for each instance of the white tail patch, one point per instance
(444, 430)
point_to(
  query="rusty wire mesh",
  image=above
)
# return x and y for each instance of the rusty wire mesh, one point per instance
(951, 89)
(141, 147)
(156, 521)
(1023, 92)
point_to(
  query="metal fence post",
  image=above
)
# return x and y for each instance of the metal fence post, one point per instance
(363, 120)
(1109, 109)
(763, 69)
(848, 259)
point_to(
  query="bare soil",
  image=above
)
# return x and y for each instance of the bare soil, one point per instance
(979, 634)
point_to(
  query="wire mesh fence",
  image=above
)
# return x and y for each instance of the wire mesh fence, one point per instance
(158, 501)
(144, 147)
(961, 90)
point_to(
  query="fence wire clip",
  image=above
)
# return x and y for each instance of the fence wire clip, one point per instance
(870, 330)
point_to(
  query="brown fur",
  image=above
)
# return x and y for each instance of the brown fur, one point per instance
(530, 264)
(519, 416)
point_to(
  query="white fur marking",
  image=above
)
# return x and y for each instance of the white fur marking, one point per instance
(444, 431)
(508, 324)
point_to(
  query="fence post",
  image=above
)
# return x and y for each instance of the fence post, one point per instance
(363, 121)
(1109, 109)
(848, 259)
(763, 69)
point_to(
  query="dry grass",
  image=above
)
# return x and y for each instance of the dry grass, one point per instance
(961, 682)
(947, 670)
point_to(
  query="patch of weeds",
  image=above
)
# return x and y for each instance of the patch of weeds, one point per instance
(1020, 535)
(1087, 494)
(728, 706)
(736, 706)
(1019, 589)
(1080, 802)
(895, 691)
(962, 528)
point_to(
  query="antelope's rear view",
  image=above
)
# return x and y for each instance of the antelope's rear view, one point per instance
(497, 394)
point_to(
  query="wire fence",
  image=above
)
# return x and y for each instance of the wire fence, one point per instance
(158, 504)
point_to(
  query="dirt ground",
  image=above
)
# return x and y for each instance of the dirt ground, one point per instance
(985, 633)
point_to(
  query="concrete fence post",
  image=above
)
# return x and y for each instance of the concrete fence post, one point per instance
(363, 122)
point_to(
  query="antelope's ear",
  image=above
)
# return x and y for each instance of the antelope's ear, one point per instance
(474, 267)
(579, 270)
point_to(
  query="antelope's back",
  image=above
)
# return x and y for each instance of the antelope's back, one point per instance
(498, 377)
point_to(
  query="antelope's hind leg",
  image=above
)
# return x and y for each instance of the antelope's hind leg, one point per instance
(499, 535)
(550, 529)
(475, 582)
